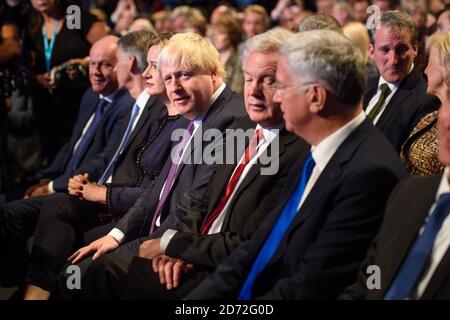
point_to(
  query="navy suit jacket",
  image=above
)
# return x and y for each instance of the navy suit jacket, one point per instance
(192, 178)
(408, 207)
(408, 105)
(99, 144)
(327, 240)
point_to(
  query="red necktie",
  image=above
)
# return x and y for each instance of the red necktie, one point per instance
(249, 153)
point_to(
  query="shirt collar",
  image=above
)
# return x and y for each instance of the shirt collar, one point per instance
(213, 99)
(268, 133)
(108, 98)
(142, 99)
(323, 152)
(444, 186)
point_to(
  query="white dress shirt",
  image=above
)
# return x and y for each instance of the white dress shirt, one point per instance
(393, 87)
(269, 135)
(141, 101)
(324, 151)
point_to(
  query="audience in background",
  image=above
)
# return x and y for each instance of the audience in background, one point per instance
(43, 75)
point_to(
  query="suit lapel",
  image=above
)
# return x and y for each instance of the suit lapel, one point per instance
(400, 244)
(371, 91)
(326, 181)
(141, 122)
(255, 171)
(79, 129)
(439, 278)
(402, 93)
(105, 115)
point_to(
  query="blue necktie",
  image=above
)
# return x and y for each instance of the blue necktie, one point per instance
(419, 253)
(76, 155)
(109, 169)
(278, 231)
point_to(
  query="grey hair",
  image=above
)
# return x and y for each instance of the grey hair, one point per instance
(135, 44)
(319, 21)
(329, 58)
(396, 19)
(269, 41)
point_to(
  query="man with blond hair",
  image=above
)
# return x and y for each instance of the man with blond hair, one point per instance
(193, 75)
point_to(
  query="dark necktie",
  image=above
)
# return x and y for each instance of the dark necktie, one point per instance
(279, 229)
(385, 91)
(126, 136)
(248, 155)
(82, 145)
(419, 254)
(172, 174)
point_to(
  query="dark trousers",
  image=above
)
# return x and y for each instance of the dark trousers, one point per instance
(17, 223)
(123, 275)
(61, 229)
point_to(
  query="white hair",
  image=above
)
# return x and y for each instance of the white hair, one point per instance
(329, 58)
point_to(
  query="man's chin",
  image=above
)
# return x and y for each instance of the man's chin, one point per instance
(394, 77)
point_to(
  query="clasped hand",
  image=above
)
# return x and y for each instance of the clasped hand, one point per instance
(81, 187)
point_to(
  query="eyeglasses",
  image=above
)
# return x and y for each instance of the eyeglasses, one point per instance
(281, 88)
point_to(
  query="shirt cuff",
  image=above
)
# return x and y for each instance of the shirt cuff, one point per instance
(117, 234)
(165, 239)
(50, 187)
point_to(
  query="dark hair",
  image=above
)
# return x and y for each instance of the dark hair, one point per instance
(36, 19)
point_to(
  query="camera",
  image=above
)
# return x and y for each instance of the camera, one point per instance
(60, 78)
(13, 79)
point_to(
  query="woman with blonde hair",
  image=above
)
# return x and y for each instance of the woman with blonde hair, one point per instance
(358, 34)
(420, 150)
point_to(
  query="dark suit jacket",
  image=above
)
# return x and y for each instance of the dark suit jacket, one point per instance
(100, 142)
(126, 169)
(408, 105)
(191, 177)
(150, 160)
(327, 240)
(254, 199)
(405, 214)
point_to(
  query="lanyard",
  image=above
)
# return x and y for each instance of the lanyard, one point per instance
(48, 45)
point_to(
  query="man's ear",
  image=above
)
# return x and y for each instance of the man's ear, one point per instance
(317, 96)
(416, 48)
(133, 65)
(371, 50)
(214, 76)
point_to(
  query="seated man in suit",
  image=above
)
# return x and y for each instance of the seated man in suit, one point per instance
(310, 245)
(397, 99)
(102, 108)
(413, 261)
(104, 83)
(193, 74)
(238, 197)
(63, 219)
(200, 96)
